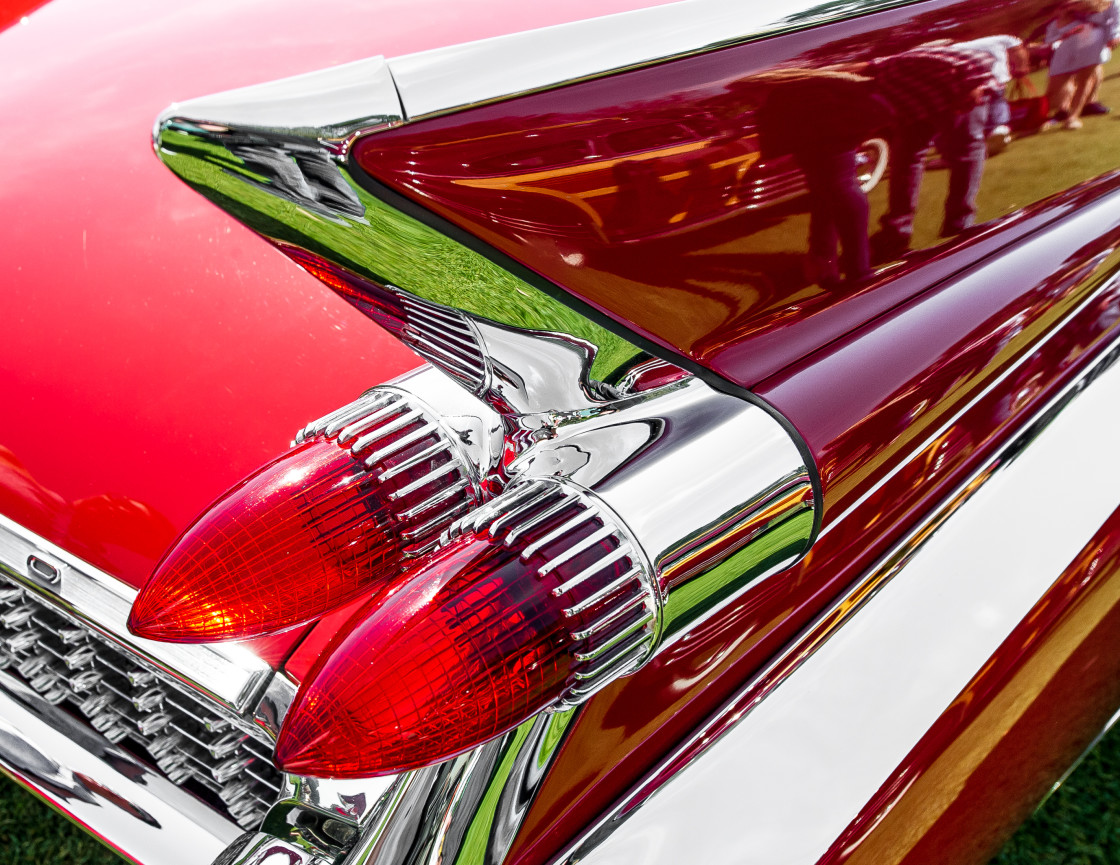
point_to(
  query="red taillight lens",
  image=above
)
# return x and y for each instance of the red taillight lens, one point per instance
(368, 487)
(545, 603)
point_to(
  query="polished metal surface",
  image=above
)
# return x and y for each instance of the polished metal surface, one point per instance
(273, 705)
(227, 673)
(103, 787)
(706, 542)
(263, 849)
(468, 810)
(326, 817)
(446, 79)
(790, 761)
(193, 742)
(474, 319)
(328, 106)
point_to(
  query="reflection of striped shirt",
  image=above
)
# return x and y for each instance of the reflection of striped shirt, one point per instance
(931, 82)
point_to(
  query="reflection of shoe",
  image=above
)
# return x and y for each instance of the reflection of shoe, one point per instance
(998, 140)
(1072, 123)
(1095, 108)
(821, 271)
(888, 246)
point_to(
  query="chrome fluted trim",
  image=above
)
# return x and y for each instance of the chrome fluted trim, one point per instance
(456, 446)
(545, 512)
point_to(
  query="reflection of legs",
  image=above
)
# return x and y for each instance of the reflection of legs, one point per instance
(1094, 104)
(1059, 92)
(908, 152)
(838, 212)
(964, 151)
(1083, 83)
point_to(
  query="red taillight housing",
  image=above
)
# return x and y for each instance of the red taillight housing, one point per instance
(540, 599)
(365, 490)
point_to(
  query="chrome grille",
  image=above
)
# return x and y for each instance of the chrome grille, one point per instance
(203, 748)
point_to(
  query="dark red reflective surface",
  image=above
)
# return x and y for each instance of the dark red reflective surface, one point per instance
(898, 415)
(719, 204)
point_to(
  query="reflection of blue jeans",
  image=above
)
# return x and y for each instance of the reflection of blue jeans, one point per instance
(962, 144)
(999, 113)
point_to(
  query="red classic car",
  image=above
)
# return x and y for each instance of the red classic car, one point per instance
(510, 434)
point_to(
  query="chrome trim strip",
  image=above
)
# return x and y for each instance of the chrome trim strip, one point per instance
(104, 789)
(1090, 216)
(327, 106)
(785, 767)
(226, 672)
(447, 79)
(467, 810)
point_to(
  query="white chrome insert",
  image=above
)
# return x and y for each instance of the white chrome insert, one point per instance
(782, 777)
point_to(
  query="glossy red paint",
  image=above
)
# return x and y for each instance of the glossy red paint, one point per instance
(657, 195)
(14, 11)
(1027, 715)
(154, 351)
(940, 408)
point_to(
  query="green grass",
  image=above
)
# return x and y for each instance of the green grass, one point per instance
(1080, 823)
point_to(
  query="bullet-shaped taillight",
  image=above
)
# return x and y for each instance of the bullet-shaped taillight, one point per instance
(366, 489)
(541, 599)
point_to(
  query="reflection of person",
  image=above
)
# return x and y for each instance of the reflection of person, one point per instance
(1082, 36)
(821, 117)
(1008, 60)
(937, 90)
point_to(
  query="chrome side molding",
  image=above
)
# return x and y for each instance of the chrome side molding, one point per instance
(819, 731)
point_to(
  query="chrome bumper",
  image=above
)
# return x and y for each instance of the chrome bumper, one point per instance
(134, 810)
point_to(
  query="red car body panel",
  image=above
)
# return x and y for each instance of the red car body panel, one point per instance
(686, 260)
(191, 352)
(155, 352)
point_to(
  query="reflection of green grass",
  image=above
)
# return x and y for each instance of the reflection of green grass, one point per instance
(476, 840)
(389, 246)
(1080, 823)
(1030, 169)
(32, 834)
(709, 589)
